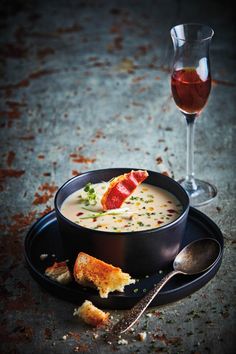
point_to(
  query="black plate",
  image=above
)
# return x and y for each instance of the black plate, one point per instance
(44, 238)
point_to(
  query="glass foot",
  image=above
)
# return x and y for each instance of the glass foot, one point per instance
(202, 195)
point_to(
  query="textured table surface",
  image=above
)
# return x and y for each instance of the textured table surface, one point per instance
(85, 85)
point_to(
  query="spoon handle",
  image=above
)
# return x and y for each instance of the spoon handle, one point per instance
(133, 315)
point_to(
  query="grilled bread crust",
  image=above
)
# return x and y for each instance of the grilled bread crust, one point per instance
(91, 314)
(90, 271)
(59, 272)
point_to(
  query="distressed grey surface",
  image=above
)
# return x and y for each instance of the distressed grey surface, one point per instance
(92, 79)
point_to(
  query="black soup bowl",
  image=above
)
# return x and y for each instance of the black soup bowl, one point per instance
(139, 252)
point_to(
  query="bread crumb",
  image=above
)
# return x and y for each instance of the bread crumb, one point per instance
(142, 336)
(43, 256)
(122, 341)
(59, 272)
(91, 314)
(148, 315)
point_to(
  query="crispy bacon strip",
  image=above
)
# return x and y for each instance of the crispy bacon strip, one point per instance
(121, 188)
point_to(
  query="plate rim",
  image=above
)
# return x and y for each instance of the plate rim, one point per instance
(41, 278)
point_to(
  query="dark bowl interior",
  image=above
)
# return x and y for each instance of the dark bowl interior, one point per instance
(139, 252)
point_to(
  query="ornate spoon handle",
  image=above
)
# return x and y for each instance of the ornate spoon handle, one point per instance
(133, 315)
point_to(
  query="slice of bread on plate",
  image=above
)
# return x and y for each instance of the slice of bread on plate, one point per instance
(59, 272)
(90, 271)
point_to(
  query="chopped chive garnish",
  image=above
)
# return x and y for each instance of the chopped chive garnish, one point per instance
(140, 223)
(91, 197)
(134, 198)
(104, 213)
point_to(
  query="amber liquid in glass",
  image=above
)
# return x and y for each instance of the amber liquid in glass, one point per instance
(189, 91)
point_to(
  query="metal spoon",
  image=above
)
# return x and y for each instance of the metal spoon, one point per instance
(196, 257)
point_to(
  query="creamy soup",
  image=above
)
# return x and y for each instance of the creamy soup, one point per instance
(148, 207)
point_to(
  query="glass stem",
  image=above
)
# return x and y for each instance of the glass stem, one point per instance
(190, 183)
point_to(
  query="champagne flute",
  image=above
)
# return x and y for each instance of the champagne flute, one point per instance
(191, 85)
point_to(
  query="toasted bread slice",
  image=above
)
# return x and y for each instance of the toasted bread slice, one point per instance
(91, 314)
(105, 277)
(59, 272)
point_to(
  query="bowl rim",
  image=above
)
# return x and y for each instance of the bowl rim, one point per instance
(111, 233)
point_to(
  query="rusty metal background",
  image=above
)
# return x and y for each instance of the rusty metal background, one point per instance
(85, 85)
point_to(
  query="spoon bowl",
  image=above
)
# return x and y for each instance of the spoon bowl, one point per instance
(197, 257)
